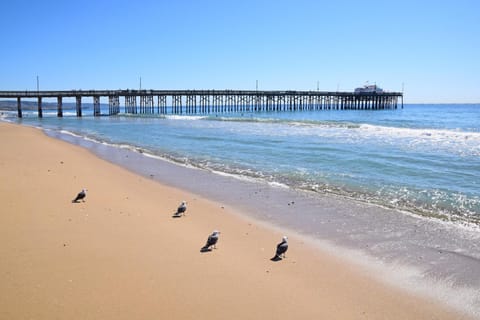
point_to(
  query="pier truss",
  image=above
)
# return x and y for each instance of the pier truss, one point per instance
(211, 101)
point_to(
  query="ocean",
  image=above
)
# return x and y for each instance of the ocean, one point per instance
(424, 159)
(400, 186)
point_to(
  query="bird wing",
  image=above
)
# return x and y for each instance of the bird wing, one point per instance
(282, 247)
(212, 240)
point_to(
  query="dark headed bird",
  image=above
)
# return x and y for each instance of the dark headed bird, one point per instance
(282, 247)
(81, 196)
(211, 241)
(181, 209)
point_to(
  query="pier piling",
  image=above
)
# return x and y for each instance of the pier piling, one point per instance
(19, 107)
(39, 105)
(59, 107)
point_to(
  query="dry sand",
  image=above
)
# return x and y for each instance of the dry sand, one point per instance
(121, 255)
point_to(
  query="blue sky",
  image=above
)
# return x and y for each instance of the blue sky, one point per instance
(432, 48)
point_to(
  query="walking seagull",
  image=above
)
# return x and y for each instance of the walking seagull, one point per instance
(282, 247)
(81, 196)
(211, 241)
(181, 210)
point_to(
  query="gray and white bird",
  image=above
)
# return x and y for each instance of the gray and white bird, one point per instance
(80, 196)
(211, 241)
(181, 210)
(282, 247)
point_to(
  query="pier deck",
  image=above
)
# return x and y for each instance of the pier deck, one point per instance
(211, 101)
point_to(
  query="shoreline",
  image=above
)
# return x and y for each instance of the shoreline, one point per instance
(335, 290)
(436, 253)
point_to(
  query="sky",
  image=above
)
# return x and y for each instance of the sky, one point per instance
(429, 49)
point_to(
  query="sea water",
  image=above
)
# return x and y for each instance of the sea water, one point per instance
(424, 159)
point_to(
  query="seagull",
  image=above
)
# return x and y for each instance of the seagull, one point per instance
(81, 196)
(282, 247)
(181, 209)
(211, 241)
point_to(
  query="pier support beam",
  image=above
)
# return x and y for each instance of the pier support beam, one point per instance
(191, 104)
(59, 107)
(229, 102)
(79, 105)
(217, 103)
(205, 103)
(131, 104)
(113, 105)
(177, 104)
(162, 104)
(146, 104)
(39, 106)
(96, 106)
(19, 107)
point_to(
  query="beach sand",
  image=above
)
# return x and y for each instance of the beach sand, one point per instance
(121, 255)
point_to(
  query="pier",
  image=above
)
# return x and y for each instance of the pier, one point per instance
(210, 101)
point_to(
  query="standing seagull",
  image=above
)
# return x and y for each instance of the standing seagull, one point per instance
(181, 209)
(211, 241)
(282, 247)
(81, 196)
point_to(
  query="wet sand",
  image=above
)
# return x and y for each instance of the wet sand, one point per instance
(121, 255)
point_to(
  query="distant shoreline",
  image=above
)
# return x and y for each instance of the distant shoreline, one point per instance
(11, 105)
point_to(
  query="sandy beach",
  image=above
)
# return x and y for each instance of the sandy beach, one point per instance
(121, 255)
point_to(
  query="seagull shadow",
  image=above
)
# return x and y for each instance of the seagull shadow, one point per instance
(204, 249)
(276, 259)
(176, 215)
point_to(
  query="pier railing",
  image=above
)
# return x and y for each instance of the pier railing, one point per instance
(211, 101)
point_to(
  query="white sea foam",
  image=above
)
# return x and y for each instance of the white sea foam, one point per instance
(460, 142)
(184, 163)
(278, 185)
(91, 139)
(70, 133)
(407, 277)
(466, 143)
(454, 141)
(6, 116)
(235, 176)
(184, 117)
(435, 134)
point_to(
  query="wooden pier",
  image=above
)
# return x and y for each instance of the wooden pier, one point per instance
(210, 101)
